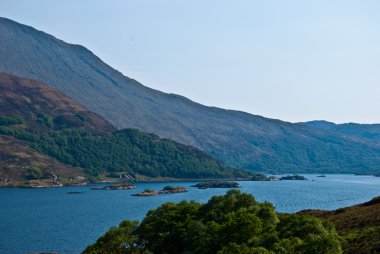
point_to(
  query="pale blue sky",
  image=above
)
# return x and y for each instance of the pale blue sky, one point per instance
(294, 60)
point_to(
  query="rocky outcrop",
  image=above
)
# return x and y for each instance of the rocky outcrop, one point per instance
(122, 186)
(220, 184)
(292, 177)
(165, 190)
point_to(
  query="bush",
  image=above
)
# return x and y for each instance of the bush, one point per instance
(33, 174)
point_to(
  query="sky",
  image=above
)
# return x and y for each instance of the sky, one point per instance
(293, 60)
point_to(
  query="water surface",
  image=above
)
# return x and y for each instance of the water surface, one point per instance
(51, 220)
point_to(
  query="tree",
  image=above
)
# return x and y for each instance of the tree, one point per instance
(121, 240)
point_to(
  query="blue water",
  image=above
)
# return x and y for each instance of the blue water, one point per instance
(51, 220)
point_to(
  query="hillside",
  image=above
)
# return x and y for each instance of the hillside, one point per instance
(370, 132)
(22, 166)
(236, 138)
(54, 126)
(359, 225)
(42, 108)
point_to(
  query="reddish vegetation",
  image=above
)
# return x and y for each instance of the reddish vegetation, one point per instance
(38, 107)
(353, 217)
(29, 99)
(17, 159)
(358, 225)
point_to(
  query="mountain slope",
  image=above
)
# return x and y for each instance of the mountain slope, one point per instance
(42, 108)
(370, 132)
(22, 166)
(238, 139)
(54, 125)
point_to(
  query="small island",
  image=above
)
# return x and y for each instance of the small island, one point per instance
(207, 185)
(261, 177)
(146, 193)
(172, 189)
(293, 177)
(122, 186)
(75, 192)
(165, 190)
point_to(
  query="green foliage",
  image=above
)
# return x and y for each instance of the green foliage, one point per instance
(81, 116)
(230, 224)
(33, 174)
(45, 120)
(121, 240)
(319, 233)
(172, 188)
(217, 184)
(127, 150)
(63, 121)
(10, 120)
(366, 240)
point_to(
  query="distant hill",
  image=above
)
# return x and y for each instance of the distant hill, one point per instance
(41, 126)
(370, 132)
(236, 138)
(359, 225)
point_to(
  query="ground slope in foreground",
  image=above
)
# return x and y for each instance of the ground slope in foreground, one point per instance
(359, 225)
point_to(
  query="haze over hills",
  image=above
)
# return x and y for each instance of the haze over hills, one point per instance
(238, 139)
(371, 132)
(45, 135)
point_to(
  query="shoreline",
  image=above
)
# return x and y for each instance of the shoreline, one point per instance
(151, 180)
(166, 179)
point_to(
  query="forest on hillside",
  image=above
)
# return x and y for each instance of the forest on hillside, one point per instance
(128, 151)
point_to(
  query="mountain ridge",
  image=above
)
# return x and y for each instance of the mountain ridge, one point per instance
(370, 132)
(237, 138)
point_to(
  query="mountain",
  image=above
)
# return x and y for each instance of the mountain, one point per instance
(358, 225)
(44, 135)
(370, 132)
(236, 138)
